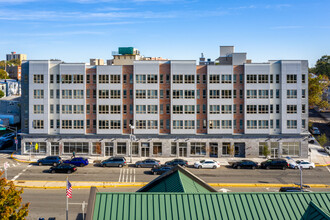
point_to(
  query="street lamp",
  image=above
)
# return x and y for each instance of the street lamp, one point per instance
(130, 142)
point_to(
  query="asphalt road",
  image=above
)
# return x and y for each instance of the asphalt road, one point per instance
(322, 123)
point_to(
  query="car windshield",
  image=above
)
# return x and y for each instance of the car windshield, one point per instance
(202, 161)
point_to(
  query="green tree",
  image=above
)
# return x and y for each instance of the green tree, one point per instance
(322, 66)
(2, 94)
(265, 150)
(3, 74)
(316, 87)
(14, 62)
(322, 139)
(10, 201)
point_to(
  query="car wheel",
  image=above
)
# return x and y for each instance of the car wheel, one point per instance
(155, 173)
(81, 165)
(104, 165)
(253, 168)
(54, 164)
(139, 166)
(199, 167)
(238, 167)
(310, 167)
(69, 171)
(214, 167)
(53, 171)
(267, 167)
(283, 168)
(120, 165)
(39, 164)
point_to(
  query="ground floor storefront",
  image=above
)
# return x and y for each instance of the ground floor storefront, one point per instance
(242, 146)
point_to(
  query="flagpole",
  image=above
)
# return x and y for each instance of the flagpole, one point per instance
(67, 199)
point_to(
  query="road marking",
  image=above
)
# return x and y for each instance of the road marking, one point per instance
(120, 175)
(328, 168)
(13, 165)
(127, 176)
(130, 175)
(15, 177)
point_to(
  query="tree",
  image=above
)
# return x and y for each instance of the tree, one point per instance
(14, 62)
(316, 87)
(10, 201)
(323, 139)
(322, 66)
(2, 94)
(3, 74)
(265, 150)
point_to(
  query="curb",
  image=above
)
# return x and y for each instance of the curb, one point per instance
(22, 161)
(322, 165)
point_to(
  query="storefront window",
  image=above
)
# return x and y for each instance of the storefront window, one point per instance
(263, 146)
(121, 148)
(225, 149)
(157, 149)
(31, 146)
(135, 148)
(173, 148)
(96, 148)
(77, 147)
(198, 148)
(291, 149)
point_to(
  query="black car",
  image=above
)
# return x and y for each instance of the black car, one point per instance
(114, 162)
(245, 164)
(292, 189)
(6, 143)
(160, 170)
(177, 162)
(148, 163)
(275, 164)
(63, 168)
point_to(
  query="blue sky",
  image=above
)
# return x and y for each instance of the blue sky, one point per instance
(76, 30)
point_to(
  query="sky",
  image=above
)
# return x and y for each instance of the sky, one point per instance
(77, 30)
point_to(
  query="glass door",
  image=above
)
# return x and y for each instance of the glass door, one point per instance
(274, 149)
(145, 150)
(55, 149)
(213, 149)
(182, 149)
(108, 149)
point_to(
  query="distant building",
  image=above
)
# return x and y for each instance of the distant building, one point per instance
(10, 109)
(14, 72)
(14, 56)
(3, 88)
(12, 86)
(96, 62)
(204, 61)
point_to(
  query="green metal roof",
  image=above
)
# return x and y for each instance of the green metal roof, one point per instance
(315, 212)
(181, 206)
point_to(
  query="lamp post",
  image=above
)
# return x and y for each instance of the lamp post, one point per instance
(130, 142)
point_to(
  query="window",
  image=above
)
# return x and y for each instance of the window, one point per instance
(303, 109)
(291, 149)
(51, 79)
(103, 94)
(78, 79)
(214, 109)
(51, 122)
(291, 94)
(152, 109)
(161, 78)
(125, 78)
(38, 94)
(77, 147)
(263, 94)
(38, 78)
(204, 78)
(292, 78)
(271, 109)
(277, 78)
(262, 147)
(78, 124)
(141, 124)
(152, 124)
(240, 78)
(168, 108)
(38, 124)
(96, 148)
(291, 124)
(57, 93)
(234, 108)
(204, 94)
(78, 109)
(88, 109)
(66, 109)
(168, 92)
(225, 149)
(66, 124)
(225, 78)
(262, 78)
(140, 94)
(103, 109)
(177, 79)
(57, 109)
(114, 79)
(189, 109)
(241, 109)
(51, 107)
(214, 78)
(157, 148)
(115, 124)
(121, 148)
(303, 78)
(226, 94)
(251, 109)
(235, 78)
(140, 79)
(161, 94)
(140, 109)
(303, 123)
(214, 124)
(234, 94)
(152, 79)
(251, 124)
(251, 78)
(177, 124)
(66, 79)
(263, 109)
(177, 109)
(251, 94)
(197, 148)
(103, 124)
(124, 94)
(189, 79)
(240, 93)
(277, 93)
(66, 94)
(226, 124)
(271, 80)
(291, 109)
(152, 94)
(240, 124)
(189, 124)
(38, 109)
(277, 109)
(189, 94)
(51, 94)
(161, 124)
(115, 94)
(88, 79)
(177, 94)
(277, 123)
(303, 93)
(168, 78)
(263, 124)
(103, 79)
(78, 94)
(214, 94)
(94, 93)
(226, 109)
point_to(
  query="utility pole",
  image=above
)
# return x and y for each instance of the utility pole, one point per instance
(130, 142)
(301, 181)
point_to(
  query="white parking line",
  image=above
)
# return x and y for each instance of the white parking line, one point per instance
(15, 177)
(121, 170)
(127, 176)
(130, 175)
(134, 176)
(328, 168)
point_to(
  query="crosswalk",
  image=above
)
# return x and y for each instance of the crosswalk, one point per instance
(127, 175)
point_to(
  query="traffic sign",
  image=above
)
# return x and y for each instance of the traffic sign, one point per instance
(2, 128)
(16, 141)
(6, 165)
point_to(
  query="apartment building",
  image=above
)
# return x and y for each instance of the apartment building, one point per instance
(179, 109)
(14, 56)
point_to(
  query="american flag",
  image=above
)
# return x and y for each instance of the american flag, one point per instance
(68, 190)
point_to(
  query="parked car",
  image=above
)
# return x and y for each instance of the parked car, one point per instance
(177, 162)
(304, 164)
(327, 149)
(207, 164)
(311, 139)
(148, 163)
(293, 189)
(114, 162)
(245, 164)
(160, 170)
(6, 143)
(315, 130)
(275, 164)
(77, 161)
(50, 160)
(63, 168)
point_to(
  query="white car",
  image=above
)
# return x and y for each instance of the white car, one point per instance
(311, 139)
(304, 164)
(327, 149)
(207, 164)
